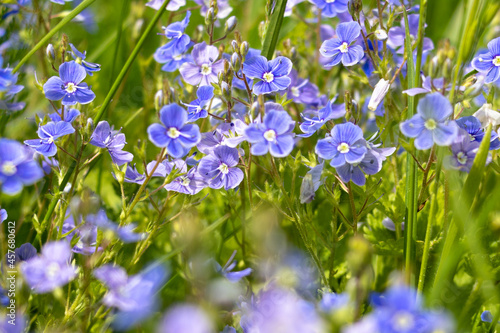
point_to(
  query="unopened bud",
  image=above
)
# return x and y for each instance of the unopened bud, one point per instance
(235, 62)
(381, 89)
(230, 24)
(244, 48)
(159, 100)
(380, 34)
(235, 46)
(210, 17)
(51, 53)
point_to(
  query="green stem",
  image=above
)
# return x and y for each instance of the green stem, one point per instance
(273, 32)
(52, 32)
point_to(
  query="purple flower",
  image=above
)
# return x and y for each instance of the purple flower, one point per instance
(345, 145)
(219, 168)
(9, 88)
(125, 233)
(69, 115)
(330, 8)
(489, 63)
(79, 57)
(428, 86)
(25, 252)
(430, 124)
(179, 41)
(135, 297)
(3, 215)
(172, 6)
(69, 86)
(274, 135)
(226, 271)
(48, 134)
(113, 141)
(60, 2)
(177, 136)
(314, 120)
(473, 126)
(86, 235)
(331, 302)
(397, 35)
(463, 151)
(190, 183)
(17, 167)
(197, 108)
(205, 68)
(50, 270)
(273, 74)
(186, 318)
(310, 184)
(289, 6)
(226, 134)
(171, 61)
(301, 90)
(342, 47)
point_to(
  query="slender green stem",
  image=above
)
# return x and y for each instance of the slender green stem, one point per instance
(274, 29)
(52, 32)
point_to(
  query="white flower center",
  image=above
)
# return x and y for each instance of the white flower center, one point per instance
(496, 61)
(52, 271)
(50, 140)
(173, 133)
(403, 321)
(70, 87)
(461, 158)
(223, 168)
(343, 148)
(430, 124)
(270, 135)
(344, 47)
(206, 69)
(185, 181)
(330, 1)
(177, 57)
(268, 77)
(295, 91)
(9, 169)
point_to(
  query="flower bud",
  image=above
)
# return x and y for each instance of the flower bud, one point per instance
(51, 53)
(244, 48)
(230, 24)
(381, 34)
(235, 62)
(235, 46)
(381, 89)
(226, 91)
(210, 17)
(159, 100)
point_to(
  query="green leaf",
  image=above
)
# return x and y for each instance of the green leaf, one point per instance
(273, 29)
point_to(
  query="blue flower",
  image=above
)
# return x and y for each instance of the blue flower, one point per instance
(205, 68)
(342, 47)
(171, 61)
(69, 86)
(113, 141)
(186, 318)
(175, 135)
(179, 40)
(24, 252)
(489, 63)
(79, 57)
(197, 108)
(51, 270)
(48, 134)
(125, 233)
(330, 8)
(463, 151)
(84, 233)
(314, 120)
(190, 183)
(172, 6)
(310, 184)
(273, 135)
(331, 302)
(473, 126)
(430, 125)
(219, 168)
(135, 297)
(273, 75)
(345, 145)
(226, 271)
(301, 90)
(9, 89)
(397, 35)
(17, 167)
(69, 115)
(60, 2)
(3, 215)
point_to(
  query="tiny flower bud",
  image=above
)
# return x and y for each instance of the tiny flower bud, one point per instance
(235, 62)
(210, 17)
(51, 53)
(235, 46)
(159, 100)
(381, 89)
(230, 24)
(381, 34)
(226, 91)
(244, 48)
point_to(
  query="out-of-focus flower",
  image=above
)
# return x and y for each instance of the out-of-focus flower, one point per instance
(174, 134)
(17, 167)
(79, 57)
(273, 135)
(24, 252)
(342, 47)
(330, 8)
(428, 86)
(9, 89)
(219, 168)
(69, 86)
(431, 125)
(289, 6)
(197, 108)
(135, 297)
(345, 145)
(205, 68)
(331, 302)
(463, 151)
(273, 74)
(310, 183)
(86, 234)
(60, 2)
(3, 215)
(473, 126)
(125, 233)
(315, 119)
(172, 6)
(50, 270)
(48, 134)
(186, 318)
(489, 63)
(113, 141)
(227, 272)
(397, 35)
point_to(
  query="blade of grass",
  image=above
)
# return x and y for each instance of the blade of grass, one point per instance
(52, 32)
(273, 30)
